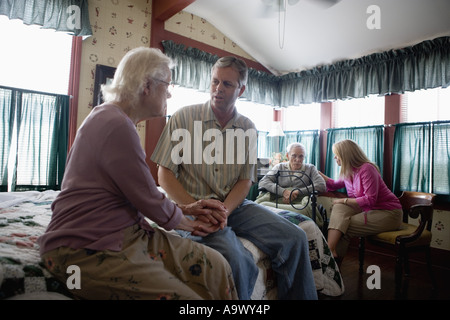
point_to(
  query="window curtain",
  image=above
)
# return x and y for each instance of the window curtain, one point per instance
(35, 139)
(411, 157)
(441, 159)
(7, 112)
(267, 146)
(370, 139)
(422, 66)
(71, 16)
(193, 70)
(421, 158)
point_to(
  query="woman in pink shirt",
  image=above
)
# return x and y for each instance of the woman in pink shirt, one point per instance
(100, 219)
(370, 208)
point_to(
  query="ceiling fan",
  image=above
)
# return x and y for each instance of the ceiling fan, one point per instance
(280, 7)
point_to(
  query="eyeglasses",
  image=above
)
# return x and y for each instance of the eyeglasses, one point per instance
(170, 85)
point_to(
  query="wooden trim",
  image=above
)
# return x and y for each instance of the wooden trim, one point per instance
(74, 86)
(209, 49)
(164, 9)
(392, 109)
(159, 34)
(325, 123)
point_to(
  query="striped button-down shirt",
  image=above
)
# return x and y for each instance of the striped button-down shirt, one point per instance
(207, 159)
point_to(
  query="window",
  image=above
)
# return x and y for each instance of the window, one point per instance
(358, 112)
(302, 117)
(34, 105)
(421, 145)
(33, 58)
(33, 139)
(260, 114)
(426, 105)
(184, 97)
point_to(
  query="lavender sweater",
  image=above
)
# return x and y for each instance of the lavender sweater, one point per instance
(107, 187)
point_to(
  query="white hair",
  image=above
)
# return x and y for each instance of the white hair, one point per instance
(134, 71)
(295, 145)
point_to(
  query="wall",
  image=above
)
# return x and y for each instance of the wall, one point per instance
(119, 26)
(198, 29)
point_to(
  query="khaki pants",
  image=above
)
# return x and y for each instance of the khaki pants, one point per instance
(353, 223)
(162, 266)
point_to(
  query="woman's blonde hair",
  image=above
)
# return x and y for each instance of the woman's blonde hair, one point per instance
(135, 70)
(351, 156)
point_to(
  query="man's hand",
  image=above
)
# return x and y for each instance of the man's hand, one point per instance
(288, 196)
(210, 212)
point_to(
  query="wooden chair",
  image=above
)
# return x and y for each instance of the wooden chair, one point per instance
(409, 237)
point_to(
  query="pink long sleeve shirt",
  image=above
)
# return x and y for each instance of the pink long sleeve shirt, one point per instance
(107, 187)
(368, 188)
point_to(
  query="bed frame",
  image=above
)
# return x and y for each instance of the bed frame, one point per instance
(311, 194)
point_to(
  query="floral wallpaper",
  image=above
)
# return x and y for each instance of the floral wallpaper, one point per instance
(117, 26)
(196, 28)
(121, 25)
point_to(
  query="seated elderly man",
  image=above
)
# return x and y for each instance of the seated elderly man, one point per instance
(294, 183)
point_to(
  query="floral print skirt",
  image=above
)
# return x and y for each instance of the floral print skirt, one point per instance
(156, 266)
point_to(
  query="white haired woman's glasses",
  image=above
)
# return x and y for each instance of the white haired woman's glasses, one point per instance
(170, 85)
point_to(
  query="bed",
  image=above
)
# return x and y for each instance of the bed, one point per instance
(25, 215)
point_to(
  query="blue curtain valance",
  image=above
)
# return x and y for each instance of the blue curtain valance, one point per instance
(71, 16)
(422, 66)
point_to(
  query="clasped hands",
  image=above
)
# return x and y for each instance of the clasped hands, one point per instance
(289, 195)
(210, 215)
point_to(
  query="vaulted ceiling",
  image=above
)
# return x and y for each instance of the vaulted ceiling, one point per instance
(309, 33)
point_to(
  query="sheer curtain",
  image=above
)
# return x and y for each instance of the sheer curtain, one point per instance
(421, 157)
(7, 112)
(309, 138)
(441, 158)
(411, 157)
(35, 139)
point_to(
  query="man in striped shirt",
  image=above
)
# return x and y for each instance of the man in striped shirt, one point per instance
(209, 151)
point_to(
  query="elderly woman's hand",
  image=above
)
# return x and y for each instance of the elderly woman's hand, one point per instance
(197, 227)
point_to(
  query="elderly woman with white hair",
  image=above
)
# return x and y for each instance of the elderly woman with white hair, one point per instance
(295, 179)
(99, 221)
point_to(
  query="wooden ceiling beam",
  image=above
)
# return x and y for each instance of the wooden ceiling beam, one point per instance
(164, 9)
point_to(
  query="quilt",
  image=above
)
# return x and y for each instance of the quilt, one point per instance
(25, 215)
(23, 218)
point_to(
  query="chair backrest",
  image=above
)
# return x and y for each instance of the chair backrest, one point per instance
(417, 204)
